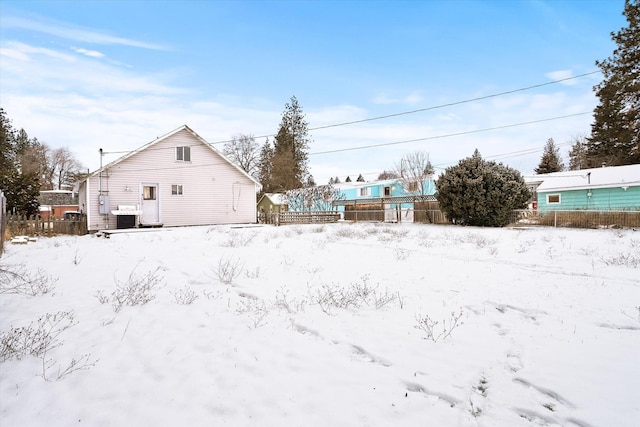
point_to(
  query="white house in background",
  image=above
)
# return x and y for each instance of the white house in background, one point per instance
(176, 180)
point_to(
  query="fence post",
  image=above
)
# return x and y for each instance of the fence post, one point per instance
(555, 219)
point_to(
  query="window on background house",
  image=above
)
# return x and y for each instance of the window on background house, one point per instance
(183, 154)
(413, 187)
(553, 199)
(365, 191)
(387, 191)
(176, 190)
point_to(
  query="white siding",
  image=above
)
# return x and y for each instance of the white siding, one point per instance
(214, 191)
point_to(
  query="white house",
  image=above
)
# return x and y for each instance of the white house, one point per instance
(176, 180)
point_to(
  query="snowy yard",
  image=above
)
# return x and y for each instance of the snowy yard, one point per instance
(334, 325)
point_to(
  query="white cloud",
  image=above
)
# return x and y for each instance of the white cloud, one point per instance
(74, 101)
(560, 75)
(47, 70)
(13, 54)
(72, 32)
(90, 53)
(24, 52)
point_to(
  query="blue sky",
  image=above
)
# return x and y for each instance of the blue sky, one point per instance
(117, 74)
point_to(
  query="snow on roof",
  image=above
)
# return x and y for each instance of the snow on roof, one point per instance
(276, 198)
(356, 184)
(614, 176)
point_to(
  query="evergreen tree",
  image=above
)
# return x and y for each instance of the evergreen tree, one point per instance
(578, 154)
(21, 189)
(360, 178)
(22, 193)
(348, 179)
(7, 151)
(429, 170)
(336, 180)
(615, 132)
(481, 193)
(291, 144)
(265, 167)
(550, 161)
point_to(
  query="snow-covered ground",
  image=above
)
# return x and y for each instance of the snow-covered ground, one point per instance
(330, 325)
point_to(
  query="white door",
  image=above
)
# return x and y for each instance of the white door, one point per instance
(390, 214)
(150, 205)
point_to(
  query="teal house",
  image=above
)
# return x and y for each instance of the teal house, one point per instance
(385, 200)
(606, 188)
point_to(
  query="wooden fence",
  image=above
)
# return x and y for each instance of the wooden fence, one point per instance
(587, 219)
(21, 225)
(290, 217)
(3, 220)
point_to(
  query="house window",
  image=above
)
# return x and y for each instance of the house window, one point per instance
(176, 190)
(413, 187)
(149, 192)
(553, 199)
(365, 191)
(183, 154)
(387, 191)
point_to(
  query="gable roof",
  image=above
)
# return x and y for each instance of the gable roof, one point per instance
(274, 198)
(162, 138)
(613, 176)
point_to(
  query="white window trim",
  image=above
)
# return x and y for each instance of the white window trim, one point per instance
(183, 150)
(179, 189)
(554, 203)
(365, 190)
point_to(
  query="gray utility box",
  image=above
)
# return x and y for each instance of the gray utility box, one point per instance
(103, 201)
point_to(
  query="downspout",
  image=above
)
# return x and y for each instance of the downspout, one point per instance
(100, 176)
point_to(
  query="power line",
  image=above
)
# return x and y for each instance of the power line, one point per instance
(448, 135)
(466, 101)
(435, 107)
(508, 155)
(439, 166)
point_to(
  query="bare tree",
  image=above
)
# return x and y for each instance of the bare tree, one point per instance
(385, 174)
(319, 198)
(243, 150)
(64, 168)
(413, 170)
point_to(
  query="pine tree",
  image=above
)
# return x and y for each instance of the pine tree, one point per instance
(265, 167)
(550, 161)
(615, 132)
(578, 154)
(481, 193)
(7, 151)
(20, 184)
(348, 179)
(291, 144)
(360, 178)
